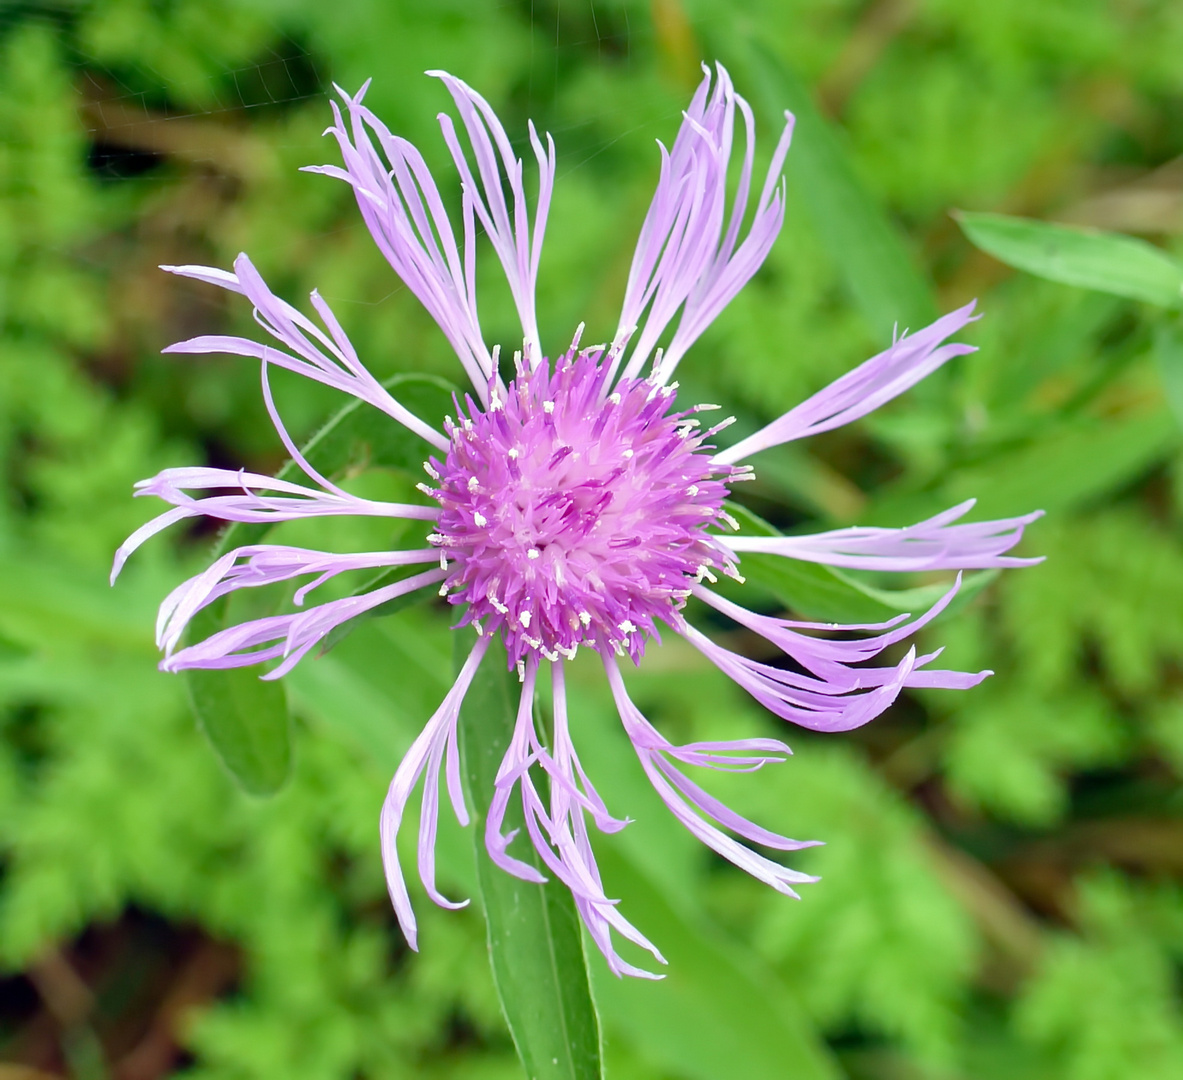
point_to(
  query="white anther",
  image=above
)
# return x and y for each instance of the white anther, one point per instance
(730, 520)
(479, 519)
(533, 553)
(444, 589)
(721, 425)
(614, 397)
(524, 619)
(550, 655)
(514, 453)
(692, 490)
(548, 406)
(521, 671)
(436, 538)
(568, 651)
(626, 454)
(473, 483)
(477, 627)
(585, 618)
(533, 642)
(627, 627)
(495, 403)
(706, 408)
(443, 560)
(617, 648)
(498, 606)
(430, 470)
(425, 489)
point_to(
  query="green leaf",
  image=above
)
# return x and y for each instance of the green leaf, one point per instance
(535, 940)
(245, 718)
(246, 721)
(823, 592)
(1088, 258)
(881, 275)
(1168, 353)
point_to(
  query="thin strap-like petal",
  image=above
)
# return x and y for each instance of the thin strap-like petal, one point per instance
(405, 214)
(328, 358)
(508, 228)
(689, 255)
(245, 501)
(425, 753)
(257, 565)
(861, 391)
(933, 544)
(699, 812)
(288, 638)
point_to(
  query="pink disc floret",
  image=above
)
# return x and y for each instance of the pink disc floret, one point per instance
(574, 516)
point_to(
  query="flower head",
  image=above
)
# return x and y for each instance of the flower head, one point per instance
(573, 517)
(576, 505)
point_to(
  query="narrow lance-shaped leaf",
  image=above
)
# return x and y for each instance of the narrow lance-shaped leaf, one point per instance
(1106, 262)
(1168, 352)
(535, 941)
(245, 718)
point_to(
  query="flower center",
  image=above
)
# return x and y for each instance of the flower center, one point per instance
(569, 518)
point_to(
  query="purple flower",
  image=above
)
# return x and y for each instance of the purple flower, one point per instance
(576, 505)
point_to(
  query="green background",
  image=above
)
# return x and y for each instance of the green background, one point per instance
(1000, 893)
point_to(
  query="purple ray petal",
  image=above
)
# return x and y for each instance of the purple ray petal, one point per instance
(440, 730)
(264, 564)
(497, 165)
(697, 810)
(858, 392)
(327, 358)
(402, 208)
(289, 637)
(934, 544)
(684, 259)
(247, 504)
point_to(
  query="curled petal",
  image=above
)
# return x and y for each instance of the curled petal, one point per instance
(437, 739)
(861, 391)
(245, 501)
(264, 564)
(328, 358)
(684, 258)
(934, 544)
(701, 813)
(559, 831)
(497, 167)
(831, 692)
(287, 637)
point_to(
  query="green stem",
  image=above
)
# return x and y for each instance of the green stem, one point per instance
(535, 941)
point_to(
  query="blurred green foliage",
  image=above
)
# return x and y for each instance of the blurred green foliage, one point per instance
(1000, 893)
